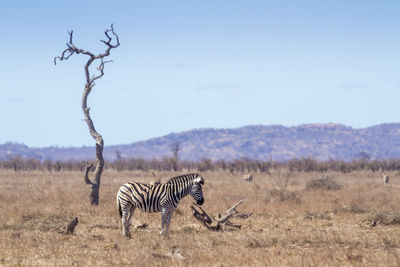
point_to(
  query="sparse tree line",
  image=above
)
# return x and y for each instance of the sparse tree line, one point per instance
(171, 164)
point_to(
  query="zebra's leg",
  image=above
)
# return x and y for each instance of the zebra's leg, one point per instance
(164, 215)
(131, 212)
(127, 213)
(169, 216)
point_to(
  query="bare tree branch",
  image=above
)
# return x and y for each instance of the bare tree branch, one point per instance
(220, 220)
(85, 175)
(203, 215)
(233, 210)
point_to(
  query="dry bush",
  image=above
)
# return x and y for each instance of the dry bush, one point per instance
(275, 194)
(386, 218)
(325, 182)
(282, 177)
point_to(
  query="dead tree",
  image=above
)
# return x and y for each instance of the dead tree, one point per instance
(221, 221)
(175, 148)
(90, 83)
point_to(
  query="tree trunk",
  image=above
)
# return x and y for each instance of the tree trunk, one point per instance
(95, 184)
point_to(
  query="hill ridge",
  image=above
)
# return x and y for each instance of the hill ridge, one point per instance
(322, 141)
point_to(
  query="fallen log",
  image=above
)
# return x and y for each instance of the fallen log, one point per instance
(220, 222)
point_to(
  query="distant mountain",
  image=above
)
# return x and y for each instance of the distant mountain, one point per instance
(319, 141)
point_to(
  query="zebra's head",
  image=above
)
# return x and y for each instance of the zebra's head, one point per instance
(197, 192)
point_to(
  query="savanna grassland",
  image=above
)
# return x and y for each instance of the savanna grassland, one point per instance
(297, 227)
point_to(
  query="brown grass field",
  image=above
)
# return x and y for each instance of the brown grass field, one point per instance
(305, 228)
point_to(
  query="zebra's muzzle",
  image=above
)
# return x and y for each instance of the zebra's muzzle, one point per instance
(200, 202)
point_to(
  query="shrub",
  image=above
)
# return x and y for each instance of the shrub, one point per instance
(276, 194)
(323, 182)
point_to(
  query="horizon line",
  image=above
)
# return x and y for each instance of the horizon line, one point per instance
(331, 124)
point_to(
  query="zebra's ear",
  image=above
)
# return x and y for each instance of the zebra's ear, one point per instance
(202, 180)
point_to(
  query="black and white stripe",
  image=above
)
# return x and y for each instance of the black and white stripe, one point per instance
(158, 197)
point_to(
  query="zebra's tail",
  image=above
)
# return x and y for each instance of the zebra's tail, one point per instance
(119, 207)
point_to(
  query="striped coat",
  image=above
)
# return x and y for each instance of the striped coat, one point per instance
(162, 198)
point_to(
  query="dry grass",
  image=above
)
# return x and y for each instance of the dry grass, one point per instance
(314, 227)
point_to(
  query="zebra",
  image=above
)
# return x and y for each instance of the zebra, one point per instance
(157, 197)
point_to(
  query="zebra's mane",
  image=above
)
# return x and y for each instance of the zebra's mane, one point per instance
(190, 177)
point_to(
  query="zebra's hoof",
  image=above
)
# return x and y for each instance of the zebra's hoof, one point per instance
(165, 235)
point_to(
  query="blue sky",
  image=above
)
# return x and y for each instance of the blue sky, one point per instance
(197, 64)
